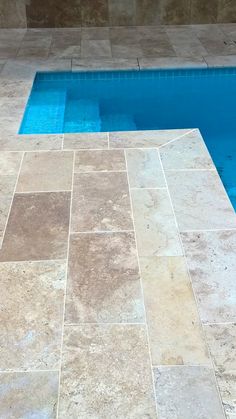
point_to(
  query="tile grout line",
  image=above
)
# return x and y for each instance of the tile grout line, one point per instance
(142, 293)
(13, 195)
(101, 232)
(195, 297)
(65, 290)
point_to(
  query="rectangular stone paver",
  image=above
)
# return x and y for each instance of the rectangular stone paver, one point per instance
(212, 263)
(144, 169)
(154, 221)
(187, 393)
(98, 140)
(7, 186)
(46, 171)
(103, 279)
(99, 160)
(31, 323)
(111, 363)
(101, 202)
(37, 227)
(200, 201)
(30, 142)
(174, 330)
(30, 394)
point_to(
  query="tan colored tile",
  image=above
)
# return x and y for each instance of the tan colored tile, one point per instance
(103, 281)
(99, 160)
(185, 42)
(189, 152)
(30, 142)
(174, 331)
(7, 186)
(28, 395)
(106, 373)
(46, 171)
(82, 141)
(187, 393)
(154, 223)
(10, 163)
(13, 107)
(95, 48)
(101, 202)
(37, 227)
(221, 60)
(171, 62)
(88, 64)
(32, 296)
(221, 340)
(14, 89)
(201, 202)
(212, 263)
(142, 139)
(144, 169)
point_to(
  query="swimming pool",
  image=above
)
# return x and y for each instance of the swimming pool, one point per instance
(141, 100)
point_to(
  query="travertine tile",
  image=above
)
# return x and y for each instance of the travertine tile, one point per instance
(95, 48)
(122, 13)
(13, 15)
(13, 89)
(214, 40)
(37, 227)
(160, 48)
(10, 163)
(94, 12)
(101, 202)
(171, 62)
(98, 140)
(99, 160)
(46, 171)
(185, 42)
(25, 69)
(187, 393)
(7, 186)
(97, 33)
(189, 152)
(89, 64)
(103, 279)
(204, 11)
(142, 139)
(13, 107)
(144, 169)
(221, 340)
(28, 395)
(32, 296)
(126, 51)
(30, 142)
(111, 363)
(147, 12)
(154, 223)
(221, 60)
(174, 331)
(201, 202)
(33, 52)
(212, 263)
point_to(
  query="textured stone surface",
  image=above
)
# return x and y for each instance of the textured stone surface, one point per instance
(103, 280)
(111, 363)
(142, 139)
(99, 160)
(144, 169)
(85, 141)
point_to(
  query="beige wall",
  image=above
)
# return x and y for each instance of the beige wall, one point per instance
(71, 13)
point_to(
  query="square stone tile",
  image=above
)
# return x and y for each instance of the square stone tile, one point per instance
(201, 202)
(106, 373)
(99, 160)
(37, 227)
(221, 340)
(142, 139)
(189, 152)
(95, 48)
(187, 393)
(144, 169)
(154, 221)
(32, 298)
(46, 171)
(98, 140)
(28, 395)
(212, 263)
(103, 279)
(175, 333)
(101, 202)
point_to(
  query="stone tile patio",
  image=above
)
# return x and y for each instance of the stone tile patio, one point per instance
(118, 249)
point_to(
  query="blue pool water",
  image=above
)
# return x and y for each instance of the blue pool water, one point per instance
(141, 100)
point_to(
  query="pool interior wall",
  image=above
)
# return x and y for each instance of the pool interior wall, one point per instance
(141, 100)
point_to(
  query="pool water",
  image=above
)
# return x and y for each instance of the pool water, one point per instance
(141, 100)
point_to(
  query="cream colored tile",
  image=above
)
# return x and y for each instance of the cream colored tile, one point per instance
(99, 160)
(144, 169)
(98, 140)
(142, 139)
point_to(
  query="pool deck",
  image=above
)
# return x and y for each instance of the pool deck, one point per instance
(118, 267)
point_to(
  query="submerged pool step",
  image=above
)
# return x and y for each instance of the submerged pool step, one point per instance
(82, 115)
(118, 122)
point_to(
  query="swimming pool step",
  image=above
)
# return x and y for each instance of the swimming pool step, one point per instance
(118, 122)
(82, 116)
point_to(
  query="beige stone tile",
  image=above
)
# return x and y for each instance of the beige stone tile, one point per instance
(99, 160)
(95, 48)
(86, 64)
(126, 51)
(175, 333)
(30, 142)
(96, 33)
(32, 297)
(101, 202)
(171, 62)
(37, 227)
(214, 40)
(9, 163)
(144, 169)
(46, 171)
(72, 51)
(221, 340)
(187, 393)
(103, 279)
(212, 264)
(185, 42)
(142, 139)
(12, 107)
(110, 362)
(14, 89)
(156, 231)
(7, 186)
(221, 60)
(201, 202)
(122, 13)
(147, 12)
(94, 13)
(28, 395)
(189, 152)
(160, 48)
(97, 140)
